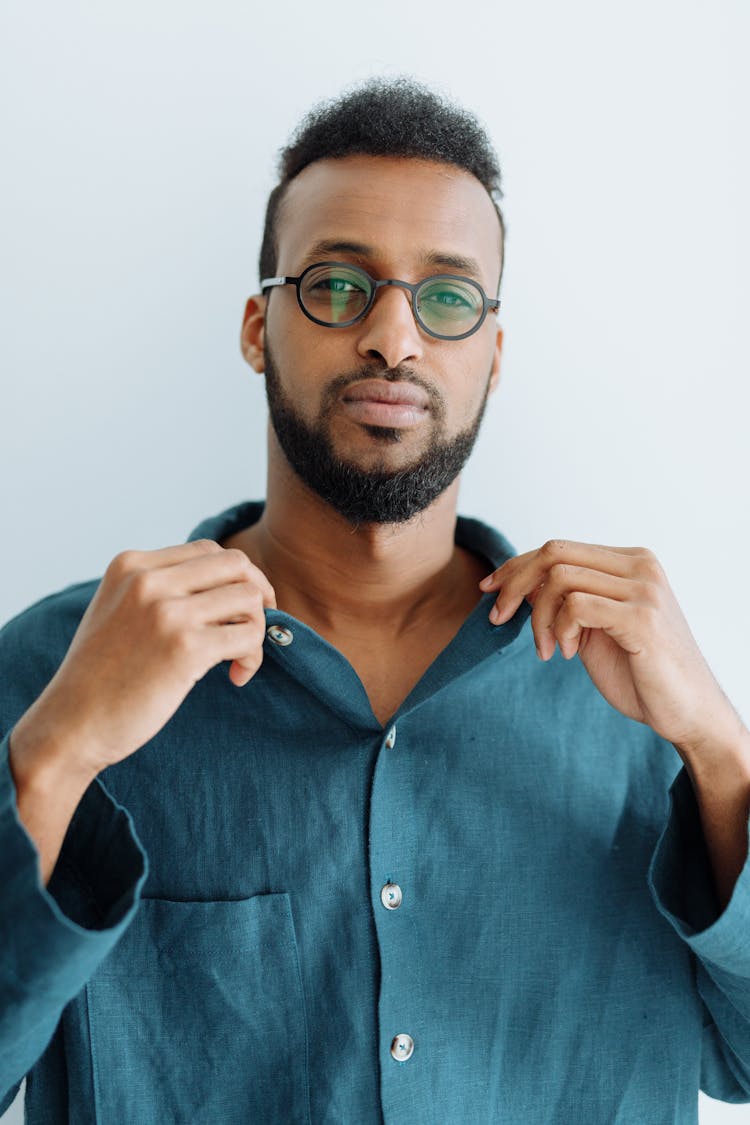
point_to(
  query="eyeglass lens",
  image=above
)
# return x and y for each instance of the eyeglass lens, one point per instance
(337, 294)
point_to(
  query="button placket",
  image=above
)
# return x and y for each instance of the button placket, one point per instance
(392, 770)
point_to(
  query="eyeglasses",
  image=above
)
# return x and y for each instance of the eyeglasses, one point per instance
(338, 294)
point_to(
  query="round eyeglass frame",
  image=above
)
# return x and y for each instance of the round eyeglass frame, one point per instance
(488, 303)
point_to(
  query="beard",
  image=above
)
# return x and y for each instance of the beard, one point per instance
(377, 495)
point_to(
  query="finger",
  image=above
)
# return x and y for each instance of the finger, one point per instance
(131, 560)
(208, 572)
(240, 675)
(241, 643)
(235, 566)
(515, 584)
(237, 601)
(494, 578)
(561, 582)
(529, 567)
(618, 619)
(259, 579)
(568, 626)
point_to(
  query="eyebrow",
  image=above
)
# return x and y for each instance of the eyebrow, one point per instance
(429, 259)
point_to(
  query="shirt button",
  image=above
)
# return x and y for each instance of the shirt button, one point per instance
(391, 896)
(280, 635)
(390, 738)
(402, 1047)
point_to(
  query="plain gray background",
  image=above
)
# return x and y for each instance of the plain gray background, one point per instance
(138, 150)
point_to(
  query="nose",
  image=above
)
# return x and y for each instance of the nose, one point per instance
(389, 331)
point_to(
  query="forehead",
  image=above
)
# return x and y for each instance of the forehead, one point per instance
(404, 209)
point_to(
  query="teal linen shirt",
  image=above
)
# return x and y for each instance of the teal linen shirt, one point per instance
(496, 907)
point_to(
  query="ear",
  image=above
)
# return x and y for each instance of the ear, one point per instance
(253, 332)
(495, 372)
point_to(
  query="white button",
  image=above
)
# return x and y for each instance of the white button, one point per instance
(390, 738)
(402, 1047)
(280, 635)
(391, 896)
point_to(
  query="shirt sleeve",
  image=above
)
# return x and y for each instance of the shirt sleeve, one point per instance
(52, 938)
(681, 882)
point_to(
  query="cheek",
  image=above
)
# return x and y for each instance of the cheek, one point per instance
(470, 386)
(277, 332)
(302, 364)
(299, 347)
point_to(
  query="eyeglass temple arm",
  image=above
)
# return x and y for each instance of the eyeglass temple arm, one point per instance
(267, 282)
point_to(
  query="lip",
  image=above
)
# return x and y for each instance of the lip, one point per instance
(378, 390)
(375, 402)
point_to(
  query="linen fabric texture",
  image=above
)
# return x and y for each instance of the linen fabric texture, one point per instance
(213, 948)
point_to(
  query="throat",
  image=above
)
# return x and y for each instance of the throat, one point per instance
(389, 655)
(390, 668)
(389, 677)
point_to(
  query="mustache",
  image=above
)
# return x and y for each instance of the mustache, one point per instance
(400, 374)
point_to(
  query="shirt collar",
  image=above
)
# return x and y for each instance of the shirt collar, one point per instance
(470, 533)
(477, 639)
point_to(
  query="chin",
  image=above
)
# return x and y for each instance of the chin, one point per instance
(381, 456)
(406, 443)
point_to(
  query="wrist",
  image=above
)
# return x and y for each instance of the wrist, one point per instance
(723, 758)
(49, 787)
(42, 757)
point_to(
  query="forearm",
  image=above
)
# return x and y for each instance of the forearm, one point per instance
(721, 779)
(56, 929)
(47, 793)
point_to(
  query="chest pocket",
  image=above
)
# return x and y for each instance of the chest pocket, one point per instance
(197, 1017)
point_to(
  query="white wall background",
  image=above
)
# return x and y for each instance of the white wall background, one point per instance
(138, 146)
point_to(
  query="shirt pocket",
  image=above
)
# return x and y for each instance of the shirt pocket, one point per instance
(197, 1016)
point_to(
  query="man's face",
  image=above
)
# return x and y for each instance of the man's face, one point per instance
(396, 218)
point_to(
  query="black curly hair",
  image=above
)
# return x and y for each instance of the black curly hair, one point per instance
(384, 117)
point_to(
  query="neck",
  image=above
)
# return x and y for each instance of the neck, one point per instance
(375, 577)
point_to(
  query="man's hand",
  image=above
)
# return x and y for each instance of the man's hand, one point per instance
(155, 625)
(615, 608)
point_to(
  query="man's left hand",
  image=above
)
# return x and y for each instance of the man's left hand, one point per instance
(615, 608)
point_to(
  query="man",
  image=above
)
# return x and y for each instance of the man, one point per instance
(296, 825)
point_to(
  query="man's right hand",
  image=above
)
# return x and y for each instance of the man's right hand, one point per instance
(159, 620)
